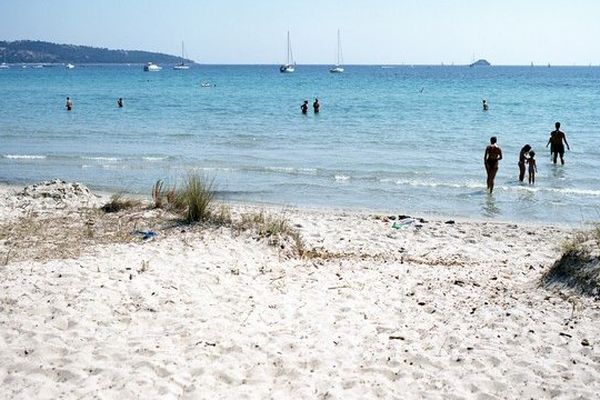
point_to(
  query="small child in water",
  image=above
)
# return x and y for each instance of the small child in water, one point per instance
(532, 167)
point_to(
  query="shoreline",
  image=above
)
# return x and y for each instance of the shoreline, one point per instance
(271, 206)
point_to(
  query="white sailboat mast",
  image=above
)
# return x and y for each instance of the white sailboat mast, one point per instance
(340, 57)
(290, 54)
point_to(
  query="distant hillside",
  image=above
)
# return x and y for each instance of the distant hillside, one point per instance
(29, 51)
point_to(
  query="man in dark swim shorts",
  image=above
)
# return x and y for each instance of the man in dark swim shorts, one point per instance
(493, 154)
(557, 148)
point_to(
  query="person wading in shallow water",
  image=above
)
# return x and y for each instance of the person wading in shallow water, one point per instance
(557, 148)
(316, 106)
(522, 158)
(304, 107)
(69, 104)
(491, 157)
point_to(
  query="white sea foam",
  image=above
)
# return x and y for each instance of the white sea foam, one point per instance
(478, 185)
(309, 171)
(280, 169)
(155, 158)
(466, 185)
(292, 170)
(583, 192)
(222, 169)
(342, 178)
(110, 166)
(24, 157)
(110, 159)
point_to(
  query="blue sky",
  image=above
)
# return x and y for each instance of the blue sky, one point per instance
(373, 31)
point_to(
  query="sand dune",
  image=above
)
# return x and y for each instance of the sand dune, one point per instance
(428, 310)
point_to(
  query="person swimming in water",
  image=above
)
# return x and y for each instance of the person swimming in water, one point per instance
(304, 107)
(491, 157)
(522, 159)
(69, 104)
(557, 148)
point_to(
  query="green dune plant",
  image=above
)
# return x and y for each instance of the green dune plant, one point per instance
(195, 201)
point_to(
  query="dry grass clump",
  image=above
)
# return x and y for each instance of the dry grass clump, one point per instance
(582, 242)
(118, 202)
(276, 229)
(163, 198)
(158, 195)
(222, 216)
(67, 235)
(578, 269)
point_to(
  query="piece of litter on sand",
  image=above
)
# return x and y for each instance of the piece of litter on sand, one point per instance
(145, 235)
(404, 223)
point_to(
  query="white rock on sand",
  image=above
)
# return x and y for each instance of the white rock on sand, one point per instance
(439, 311)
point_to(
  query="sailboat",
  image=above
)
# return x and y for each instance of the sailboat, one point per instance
(289, 66)
(182, 64)
(337, 68)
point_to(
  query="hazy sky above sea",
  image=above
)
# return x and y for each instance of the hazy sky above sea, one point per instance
(373, 31)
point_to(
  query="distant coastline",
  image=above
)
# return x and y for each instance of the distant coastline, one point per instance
(34, 51)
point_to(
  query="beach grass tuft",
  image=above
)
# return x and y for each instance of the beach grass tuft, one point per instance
(578, 268)
(118, 202)
(195, 200)
(165, 198)
(158, 194)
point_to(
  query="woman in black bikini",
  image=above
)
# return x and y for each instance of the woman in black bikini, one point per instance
(522, 157)
(492, 155)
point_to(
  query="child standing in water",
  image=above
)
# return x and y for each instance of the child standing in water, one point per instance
(532, 167)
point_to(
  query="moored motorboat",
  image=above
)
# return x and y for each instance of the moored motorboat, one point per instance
(151, 67)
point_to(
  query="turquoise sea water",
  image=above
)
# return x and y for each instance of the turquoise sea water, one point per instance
(405, 139)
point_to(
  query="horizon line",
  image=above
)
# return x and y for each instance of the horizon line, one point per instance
(327, 64)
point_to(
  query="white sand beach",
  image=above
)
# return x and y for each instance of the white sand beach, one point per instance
(430, 310)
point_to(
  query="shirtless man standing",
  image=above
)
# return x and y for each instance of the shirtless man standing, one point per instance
(493, 154)
(557, 137)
